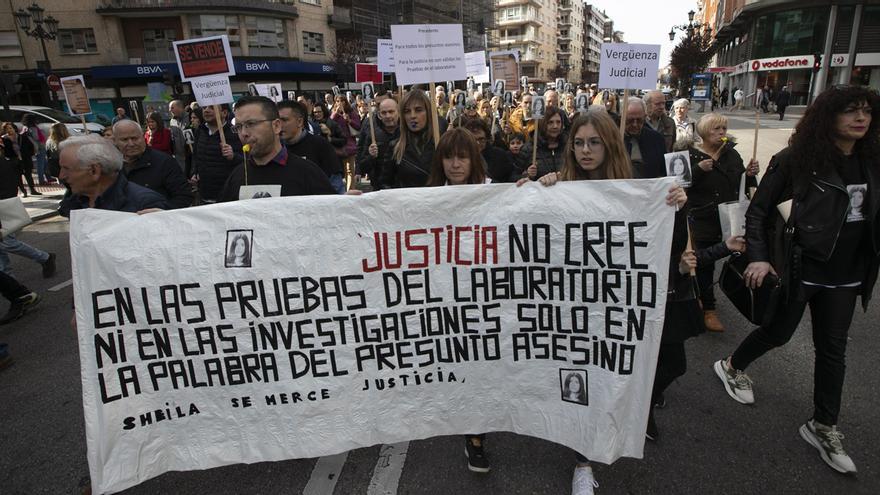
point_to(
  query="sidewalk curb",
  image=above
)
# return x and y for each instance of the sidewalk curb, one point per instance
(43, 216)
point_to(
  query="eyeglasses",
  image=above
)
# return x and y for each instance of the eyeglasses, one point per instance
(250, 124)
(593, 144)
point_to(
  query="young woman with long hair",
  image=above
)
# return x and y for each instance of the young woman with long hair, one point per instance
(414, 150)
(349, 123)
(551, 145)
(57, 134)
(831, 259)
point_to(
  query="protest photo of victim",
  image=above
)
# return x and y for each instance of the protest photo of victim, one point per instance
(678, 165)
(538, 106)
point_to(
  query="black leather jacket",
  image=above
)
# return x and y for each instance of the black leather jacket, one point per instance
(818, 214)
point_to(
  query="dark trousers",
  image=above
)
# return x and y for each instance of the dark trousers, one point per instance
(10, 288)
(831, 311)
(26, 165)
(706, 278)
(781, 110)
(671, 364)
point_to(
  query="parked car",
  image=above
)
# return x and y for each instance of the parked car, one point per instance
(47, 116)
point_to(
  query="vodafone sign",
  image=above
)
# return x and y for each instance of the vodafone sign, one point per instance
(782, 63)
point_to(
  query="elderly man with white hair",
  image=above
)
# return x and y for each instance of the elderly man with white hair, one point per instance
(91, 166)
(657, 118)
(644, 145)
(685, 126)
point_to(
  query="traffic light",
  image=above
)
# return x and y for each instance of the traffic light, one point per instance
(817, 62)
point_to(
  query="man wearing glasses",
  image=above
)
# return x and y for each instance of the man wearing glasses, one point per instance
(644, 145)
(268, 162)
(212, 160)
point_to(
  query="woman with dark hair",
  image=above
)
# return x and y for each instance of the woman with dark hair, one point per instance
(24, 149)
(57, 134)
(157, 135)
(350, 125)
(551, 145)
(830, 260)
(414, 150)
(239, 254)
(196, 118)
(30, 129)
(595, 151)
(716, 169)
(573, 391)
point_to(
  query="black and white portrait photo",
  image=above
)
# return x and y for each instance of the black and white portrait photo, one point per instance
(188, 136)
(857, 194)
(460, 99)
(524, 82)
(678, 165)
(349, 97)
(368, 91)
(335, 90)
(567, 87)
(471, 85)
(252, 89)
(538, 106)
(239, 246)
(291, 95)
(450, 87)
(582, 102)
(499, 87)
(508, 99)
(560, 84)
(573, 384)
(275, 92)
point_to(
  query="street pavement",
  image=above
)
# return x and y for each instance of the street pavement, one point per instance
(708, 443)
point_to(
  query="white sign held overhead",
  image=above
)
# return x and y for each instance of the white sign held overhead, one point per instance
(425, 53)
(385, 55)
(628, 65)
(212, 90)
(477, 67)
(475, 312)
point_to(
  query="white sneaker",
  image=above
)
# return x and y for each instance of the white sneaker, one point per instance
(827, 440)
(583, 481)
(737, 383)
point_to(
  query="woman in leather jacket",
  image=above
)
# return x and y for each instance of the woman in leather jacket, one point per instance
(414, 150)
(717, 169)
(832, 256)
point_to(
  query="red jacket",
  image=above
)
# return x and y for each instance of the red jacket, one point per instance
(160, 141)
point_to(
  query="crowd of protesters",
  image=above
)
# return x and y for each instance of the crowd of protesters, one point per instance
(340, 143)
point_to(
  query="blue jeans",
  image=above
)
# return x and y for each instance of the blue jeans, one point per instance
(10, 244)
(41, 166)
(337, 183)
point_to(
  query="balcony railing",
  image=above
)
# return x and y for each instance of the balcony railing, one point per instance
(285, 8)
(506, 3)
(520, 19)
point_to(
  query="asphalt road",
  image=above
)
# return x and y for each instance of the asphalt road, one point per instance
(708, 443)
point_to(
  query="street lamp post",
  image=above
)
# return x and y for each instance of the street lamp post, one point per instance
(44, 28)
(692, 29)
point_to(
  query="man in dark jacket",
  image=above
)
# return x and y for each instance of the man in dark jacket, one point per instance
(313, 148)
(150, 168)
(644, 145)
(783, 99)
(212, 160)
(269, 163)
(90, 166)
(372, 157)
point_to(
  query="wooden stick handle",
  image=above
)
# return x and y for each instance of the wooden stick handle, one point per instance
(218, 117)
(82, 119)
(757, 126)
(535, 145)
(436, 118)
(623, 110)
(372, 129)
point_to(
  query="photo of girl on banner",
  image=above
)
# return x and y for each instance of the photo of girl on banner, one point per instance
(499, 87)
(678, 165)
(238, 248)
(574, 386)
(471, 85)
(582, 102)
(508, 98)
(368, 91)
(538, 106)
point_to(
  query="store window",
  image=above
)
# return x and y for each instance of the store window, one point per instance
(266, 37)
(9, 45)
(794, 32)
(158, 45)
(77, 41)
(216, 25)
(313, 42)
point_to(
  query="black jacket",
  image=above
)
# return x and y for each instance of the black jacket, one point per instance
(499, 164)
(415, 166)
(366, 164)
(208, 162)
(652, 147)
(548, 160)
(709, 189)
(818, 214)
(318, 151)
(161, 172)
(121, 196)
(10, 173)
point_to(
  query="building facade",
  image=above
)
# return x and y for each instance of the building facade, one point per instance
(529, 26)
(570, 36)
(594, 35)
(122, 46)
(772, 42)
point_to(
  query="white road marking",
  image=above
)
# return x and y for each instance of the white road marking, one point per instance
(389, 467)
(325, 474)
(61, 286)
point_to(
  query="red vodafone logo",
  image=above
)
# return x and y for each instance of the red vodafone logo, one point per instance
(780, 63)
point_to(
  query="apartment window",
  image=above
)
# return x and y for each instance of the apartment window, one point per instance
(77, 41)
(311, 2)
(266, 37)
(9, 45)
(216, 25)
(158, 45)
(313, 42)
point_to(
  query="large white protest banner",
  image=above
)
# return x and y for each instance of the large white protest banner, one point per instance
(426, 53)
(282, 328)
(628, 66)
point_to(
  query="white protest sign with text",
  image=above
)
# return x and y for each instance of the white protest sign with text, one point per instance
(385, 55)
(212, 90)
(628, 65)
(76, 95)
(240, 332)
(476, 66)
(425, 53)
